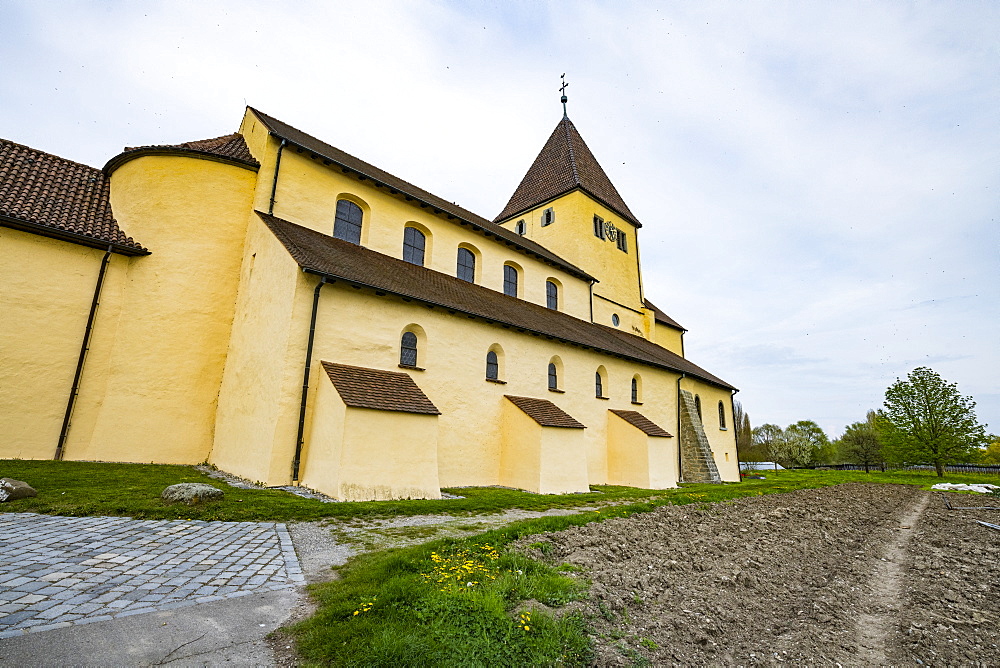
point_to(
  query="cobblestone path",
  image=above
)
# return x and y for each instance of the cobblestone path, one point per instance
(60, 571)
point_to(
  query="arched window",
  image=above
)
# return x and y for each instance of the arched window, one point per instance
(551, 295)
(347, 225)
(466, 265)
(519, 227)
(492, 366)
(414, 242)
(635, 390)
(553, 377)
(697, 405)
(408, 349)
(722, 416)
(598, 385)
(509, 280)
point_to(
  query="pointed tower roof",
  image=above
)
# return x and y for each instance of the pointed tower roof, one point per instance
(564, 164)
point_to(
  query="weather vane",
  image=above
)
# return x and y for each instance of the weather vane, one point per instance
(564, 99)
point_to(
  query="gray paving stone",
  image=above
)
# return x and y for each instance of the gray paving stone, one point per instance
(78, 570)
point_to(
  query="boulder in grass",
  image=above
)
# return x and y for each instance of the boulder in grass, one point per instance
(191, 493)
(12, 490)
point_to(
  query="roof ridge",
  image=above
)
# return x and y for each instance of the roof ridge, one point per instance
(572, 155)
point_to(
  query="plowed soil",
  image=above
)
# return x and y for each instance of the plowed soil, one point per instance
(851, 575)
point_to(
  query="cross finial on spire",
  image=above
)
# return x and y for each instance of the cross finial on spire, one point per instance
(564, 99)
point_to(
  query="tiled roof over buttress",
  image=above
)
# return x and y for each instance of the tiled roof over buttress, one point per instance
(48, 195)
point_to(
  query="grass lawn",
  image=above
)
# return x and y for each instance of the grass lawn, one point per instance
(133, 490)
(414, 606)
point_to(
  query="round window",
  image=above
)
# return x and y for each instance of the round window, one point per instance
(614, 319)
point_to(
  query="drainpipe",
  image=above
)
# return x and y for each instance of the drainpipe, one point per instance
(591, 300)
(83, 355)
(305, 381)
(679, 436)
(736, 431)
(274, 183)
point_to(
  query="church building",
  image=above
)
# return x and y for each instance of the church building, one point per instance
(272, 305)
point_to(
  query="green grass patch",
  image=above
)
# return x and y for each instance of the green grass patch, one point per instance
(133, 490)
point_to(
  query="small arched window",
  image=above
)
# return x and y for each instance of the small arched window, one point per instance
(509, 280)
(492, 366)
(598, 385)
(635, 390)
(519, 227)
(347, 225)
(414, 243)
(553, 377)
(551, 295)
(408, 349)
(722, 416)
(697, 405)
(466, 265)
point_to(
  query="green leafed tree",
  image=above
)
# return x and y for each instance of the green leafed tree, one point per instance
(925, 420)
(861, 443)
(767, 440)
(803, 443)
(990, 455)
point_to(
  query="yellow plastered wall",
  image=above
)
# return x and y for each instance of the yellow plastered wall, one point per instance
(389, 455)
(321, 456)
(259, 399)
(307, 194)
(669, 338)
(722, 441)
(546, 460)
(166, 362)
(356, 327)
(571, 237)
(48, 286)
(636, 459)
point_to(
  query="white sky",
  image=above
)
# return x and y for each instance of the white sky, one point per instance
(818, 181)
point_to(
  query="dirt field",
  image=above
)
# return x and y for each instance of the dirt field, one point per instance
(851, 575)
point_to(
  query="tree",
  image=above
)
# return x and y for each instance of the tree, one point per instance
(925, 420)
(990, 456)
(767, 440)
(802, 443)
(861, 443)
(741, 423)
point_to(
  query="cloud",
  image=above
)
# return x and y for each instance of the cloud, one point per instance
(817, 181)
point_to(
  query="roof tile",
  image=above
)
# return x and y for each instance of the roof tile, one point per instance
(641, 422)
(232, 148)
(322, 254)
(563, 164)
(545, 413)
(42, 192)
(361, 167)
(361, 387)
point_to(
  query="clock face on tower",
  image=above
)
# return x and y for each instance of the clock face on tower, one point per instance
(610, 231)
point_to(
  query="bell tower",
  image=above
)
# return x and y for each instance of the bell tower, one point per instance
(567, 203)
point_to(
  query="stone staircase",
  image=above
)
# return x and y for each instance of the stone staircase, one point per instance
(697, 460)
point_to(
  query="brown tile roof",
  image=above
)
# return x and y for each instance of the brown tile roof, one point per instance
(397, 185)
(564, 164)
(55, 197)
(544, 412)
(228, 148)
(660, 316)
(382, 390)
(641, 422)
(322, 254)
